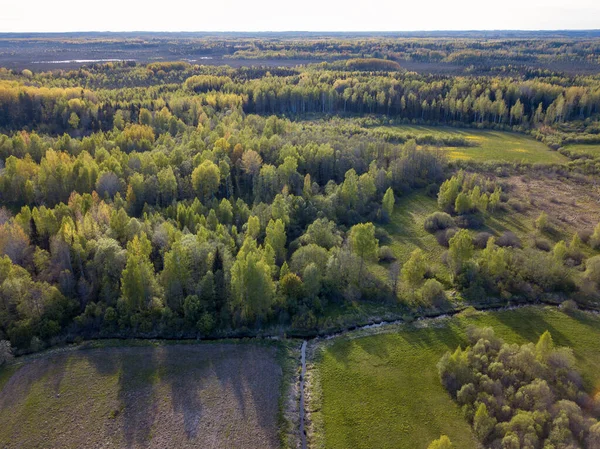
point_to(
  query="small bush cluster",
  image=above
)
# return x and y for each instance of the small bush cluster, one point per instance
(527, 396)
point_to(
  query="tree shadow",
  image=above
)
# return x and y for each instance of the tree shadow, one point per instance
(532, 326)
(186, 375)
(137, 378)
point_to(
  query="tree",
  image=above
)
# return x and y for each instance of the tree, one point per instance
(364, 243)
(413, 271)
(516, 112)
(541, 222)
(483, 424)
(176, 276)
(544, 346)
(74, 120)
(138, 280)
(463, 204)
(460, 251)
(167, 186)
(277, 239)
(448, 192)
(206, 179)
(253, 226)
(388, 202)
(322, 232)
(252, 286)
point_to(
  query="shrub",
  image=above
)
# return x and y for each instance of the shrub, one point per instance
(542, 244)
(443, 237)
(382, 235)
(432, 292)
(509, 238)
(438, 221)
(481, 238)
(516, 205)
(386, 254)
(441, 443)
(470, 221)
(569, 306)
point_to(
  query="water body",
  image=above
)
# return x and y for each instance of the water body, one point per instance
(81, 61)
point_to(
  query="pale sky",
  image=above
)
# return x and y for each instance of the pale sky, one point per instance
(302, 15)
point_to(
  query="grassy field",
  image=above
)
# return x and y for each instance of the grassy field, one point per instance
(383, 390)
(197, 395)
(407, 233)
(583, 149)
(488, 145)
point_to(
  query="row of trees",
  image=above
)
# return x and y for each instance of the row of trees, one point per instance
(467, 100)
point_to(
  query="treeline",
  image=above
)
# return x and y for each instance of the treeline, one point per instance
(462, 100)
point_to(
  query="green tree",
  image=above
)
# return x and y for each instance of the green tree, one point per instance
(388, 202)
(363, 242)
(448, 192)
(138, 280)
(277, 239)
(460, 251)
(74, 120)
(463, 204)
(206, 179)
(252, 286)
(413, 271)
(483, 424)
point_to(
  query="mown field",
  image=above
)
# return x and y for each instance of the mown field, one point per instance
(487, 145)
(197, 395)
(383, 390)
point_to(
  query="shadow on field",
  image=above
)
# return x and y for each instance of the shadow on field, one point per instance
(199, 394)
(185, 385)
(436, 337)
(531, 326)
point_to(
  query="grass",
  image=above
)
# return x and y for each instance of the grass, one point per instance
(590, 150)
(407, 233)
(489, 145)
(383, 390)
(193, 395)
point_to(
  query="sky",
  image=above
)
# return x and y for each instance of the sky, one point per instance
(303, 15)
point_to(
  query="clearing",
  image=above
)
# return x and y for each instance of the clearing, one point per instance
(487, 145)
(187, 395)
(380, 387)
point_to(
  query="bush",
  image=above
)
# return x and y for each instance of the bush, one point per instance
(433, 293)
(432, 190)
(470, 221)
(517, 206)
(542, 244)
(585, 235)
(481, 238)
(443, 237)
(569, 306)
(386, 254)
(382, 235)
(438, 221)
(509, 238)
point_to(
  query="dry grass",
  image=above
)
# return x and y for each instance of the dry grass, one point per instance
(183, 396)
